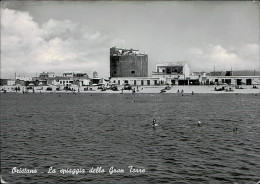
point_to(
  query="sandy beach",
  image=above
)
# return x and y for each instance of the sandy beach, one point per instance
(140, 89)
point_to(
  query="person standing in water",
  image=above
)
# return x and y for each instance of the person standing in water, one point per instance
(154, 124)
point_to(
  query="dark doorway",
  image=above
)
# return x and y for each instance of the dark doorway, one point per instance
(183, 82)
(173, 82)
(239, 81)
(248, 81)
(228, 81)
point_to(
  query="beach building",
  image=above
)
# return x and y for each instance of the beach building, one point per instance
(23, 80)
(95, 79)
(46, 75)
(3, 82)
(175, 74)
(43, 78)
(69, 78)
(68, 81)
(7, 82)
(10, 82)
(235, 80)
(136, 81)
(78, 74)
(128, 63)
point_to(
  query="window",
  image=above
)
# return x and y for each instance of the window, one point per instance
(132, 72)
(118, 82)
(148, 82)
(142, 82)
(155, 82)
(135, 82)
(174, 70)
(126, 81)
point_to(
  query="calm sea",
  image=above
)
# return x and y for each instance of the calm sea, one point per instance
(66, 131)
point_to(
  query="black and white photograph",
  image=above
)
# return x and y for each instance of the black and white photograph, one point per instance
(130, 92)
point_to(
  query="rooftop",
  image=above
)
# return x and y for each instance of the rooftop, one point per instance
(181, 63)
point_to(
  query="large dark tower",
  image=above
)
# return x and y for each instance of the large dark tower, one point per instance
(128, 63)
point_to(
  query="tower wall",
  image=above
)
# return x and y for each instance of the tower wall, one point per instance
(128, 65)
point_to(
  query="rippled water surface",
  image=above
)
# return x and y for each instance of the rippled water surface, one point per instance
(104, 130)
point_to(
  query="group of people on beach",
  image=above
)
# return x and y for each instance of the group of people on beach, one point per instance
(255, 87)
(182, 91)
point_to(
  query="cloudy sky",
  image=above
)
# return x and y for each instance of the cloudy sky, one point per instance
(66, 35)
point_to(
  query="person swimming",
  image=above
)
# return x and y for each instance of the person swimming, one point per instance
(155, 124)
(235, 129)
(199, 123)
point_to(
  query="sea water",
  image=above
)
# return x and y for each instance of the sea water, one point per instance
(109, 138)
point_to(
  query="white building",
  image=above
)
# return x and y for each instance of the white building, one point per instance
(10, 82)
(175, 74)
(236, 80)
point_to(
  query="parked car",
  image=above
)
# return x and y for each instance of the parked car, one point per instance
(114, 88)
(127, 87)
(49, 89)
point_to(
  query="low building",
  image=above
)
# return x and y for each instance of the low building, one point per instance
(175, 74)
(77, 74)
(46, 75)
(136, 81)
(3, 82)
(10, 82)
(236, 80)
(23, 80)
(67, 81)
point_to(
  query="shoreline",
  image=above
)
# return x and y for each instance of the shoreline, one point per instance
(141, 90)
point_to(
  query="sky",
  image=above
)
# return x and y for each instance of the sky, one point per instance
(59, 36)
